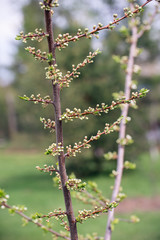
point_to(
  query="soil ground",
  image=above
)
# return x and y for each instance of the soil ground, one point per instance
(142, 204)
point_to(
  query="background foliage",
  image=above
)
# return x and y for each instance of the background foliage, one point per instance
(96, 84)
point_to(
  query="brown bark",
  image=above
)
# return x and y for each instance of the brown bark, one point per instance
(59, 133)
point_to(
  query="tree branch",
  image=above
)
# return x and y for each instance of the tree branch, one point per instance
(151, 19)
(121, 148)
(108, 26)
(35, 222)
(122, 133)
(59, 132)
(77, 113)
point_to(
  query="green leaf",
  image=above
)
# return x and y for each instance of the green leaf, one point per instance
(144, 91)
(50, 57)
(24, 98)
(11, 211)
(2, 193)
(18, 37)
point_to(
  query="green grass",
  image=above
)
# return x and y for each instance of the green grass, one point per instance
(27, 186)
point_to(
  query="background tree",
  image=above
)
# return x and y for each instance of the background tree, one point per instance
(92, 90)
(65, 182)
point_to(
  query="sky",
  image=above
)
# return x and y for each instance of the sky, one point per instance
(11, 22)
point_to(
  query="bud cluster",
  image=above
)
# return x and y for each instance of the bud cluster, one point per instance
(38, 99)
(38, 55)
(113, 174)
(69, 115)
(125, 141)
(3, 204)
(54, 149)
(19, 208)
(56, 214)
(75, 184)
(54, 74)
(110, 155)
(129, 165)
(75, 74)
(86, 214)
(120, 197)
(38, 35)
(3, 198)
(86, 143)
(48, 124)
(57, 180)
(48, 5)
(128, 12)
(47, 169)
(63, 40)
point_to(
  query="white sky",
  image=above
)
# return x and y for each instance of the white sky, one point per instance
(10, 24)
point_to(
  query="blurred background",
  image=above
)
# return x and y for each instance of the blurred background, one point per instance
(23, 140)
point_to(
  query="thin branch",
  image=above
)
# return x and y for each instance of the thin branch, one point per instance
(108, 26)
(38, 99)
(41, 101)
(35, 222)
(87, 214)
(94, 111)
(47, 169)
(90, 196)
(108, 129)
(147, 27)
(37, 54)
(122, 133)
(53, 215)
(121, 148)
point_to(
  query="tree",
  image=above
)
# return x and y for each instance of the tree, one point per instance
(58, 82)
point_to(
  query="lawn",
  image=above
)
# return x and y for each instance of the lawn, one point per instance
(27, 186)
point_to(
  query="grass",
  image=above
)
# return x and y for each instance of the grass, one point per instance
(29, 187)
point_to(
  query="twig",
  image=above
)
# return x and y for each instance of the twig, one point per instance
(145, 28)
(85, 144)
(58, 44)
(94, 198)
(78, 114)
(35, 222)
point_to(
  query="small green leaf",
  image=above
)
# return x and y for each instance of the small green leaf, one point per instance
(18, 37)
(11, 211)
(24, 98)
(143, 92)
(2, 193)
(50, 57)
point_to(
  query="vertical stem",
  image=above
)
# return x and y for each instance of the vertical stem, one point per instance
(59, 133)
(122, 132)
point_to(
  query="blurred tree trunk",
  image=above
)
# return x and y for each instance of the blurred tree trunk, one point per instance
(11, 115)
